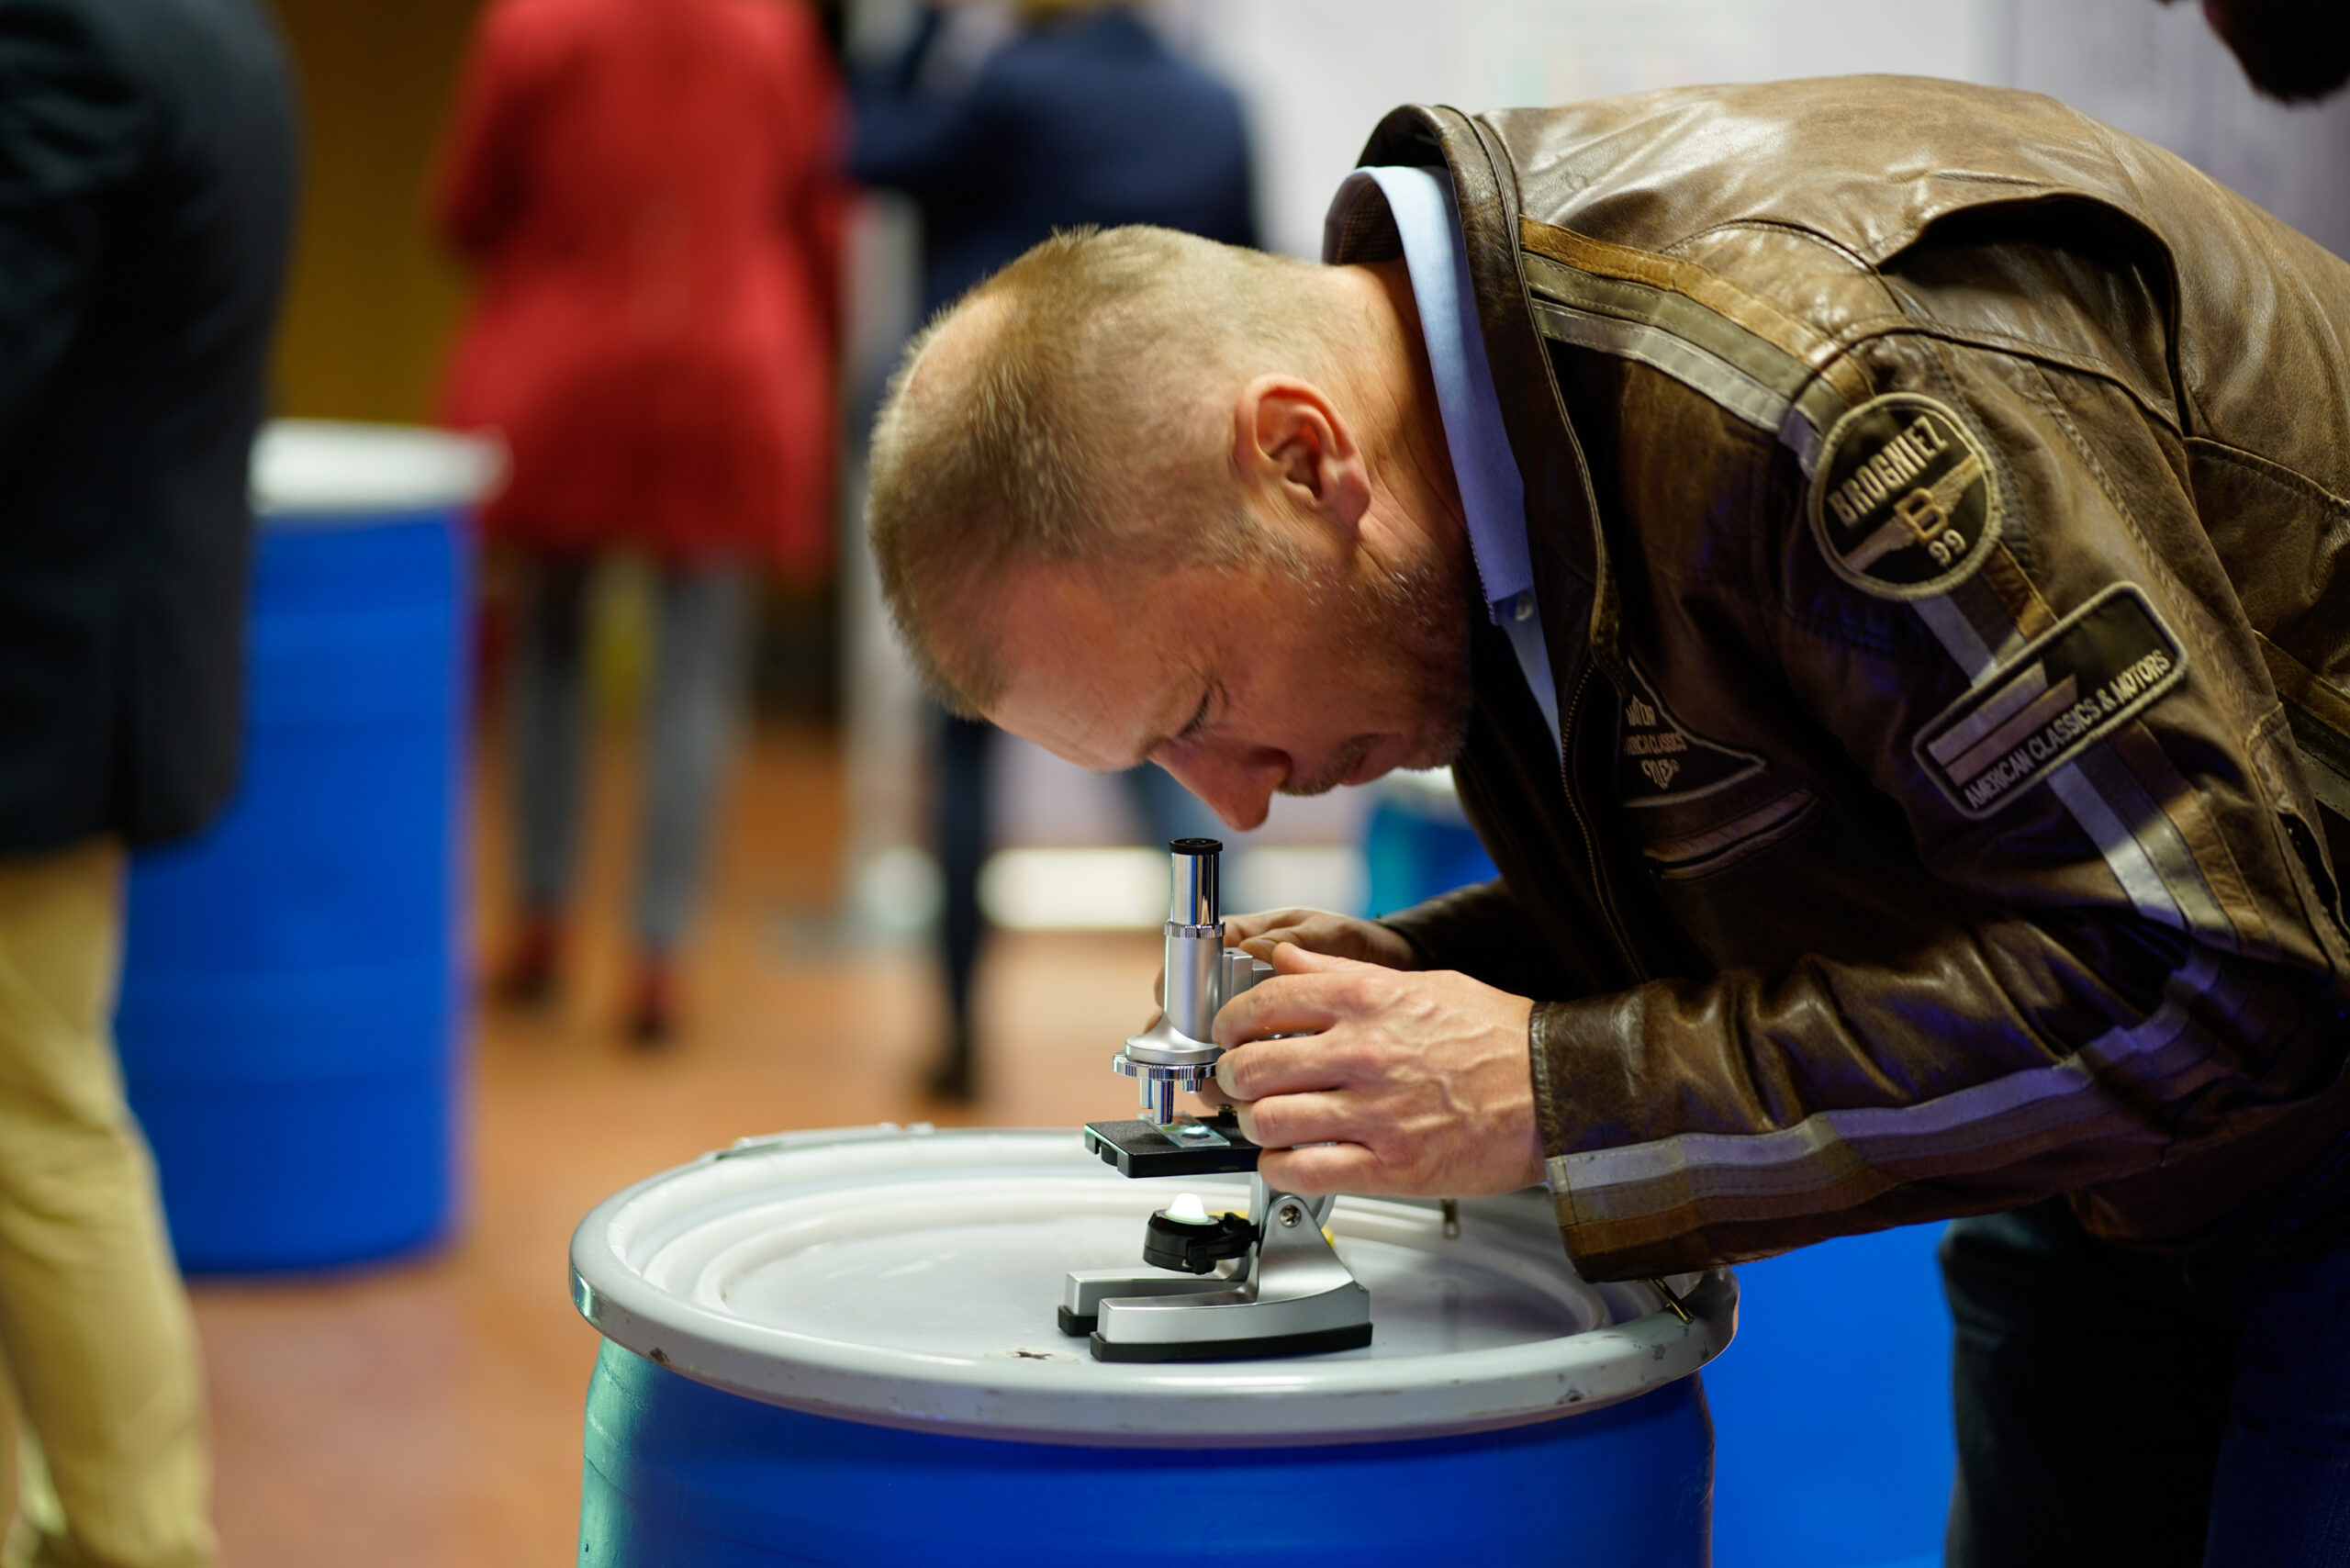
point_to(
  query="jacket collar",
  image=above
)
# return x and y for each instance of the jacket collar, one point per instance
(1562, 514)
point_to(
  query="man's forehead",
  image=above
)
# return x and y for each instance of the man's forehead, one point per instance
(1091, 670)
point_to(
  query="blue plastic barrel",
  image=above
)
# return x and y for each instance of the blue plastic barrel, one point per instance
(841, 1348)
(684, 1476)
(1832, 1413)
(289, 1021)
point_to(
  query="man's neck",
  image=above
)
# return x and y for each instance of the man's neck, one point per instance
(1389, 379)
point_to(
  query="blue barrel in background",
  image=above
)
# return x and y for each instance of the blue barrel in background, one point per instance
(1418, 842)
(290, 1016)
(1832, 1411)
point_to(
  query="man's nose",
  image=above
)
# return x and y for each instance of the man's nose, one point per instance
(1238, 788)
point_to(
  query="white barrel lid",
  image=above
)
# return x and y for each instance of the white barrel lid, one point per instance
(333, 470)
(909, 1278)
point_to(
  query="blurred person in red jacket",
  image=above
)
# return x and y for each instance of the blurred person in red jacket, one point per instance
(649, 192)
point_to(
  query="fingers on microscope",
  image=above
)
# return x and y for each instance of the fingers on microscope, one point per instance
(1301, 1004)
(1286, 1121)
(1275, 1067)
(1326, 1167)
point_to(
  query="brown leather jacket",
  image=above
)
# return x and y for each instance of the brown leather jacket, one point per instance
(1917, 476)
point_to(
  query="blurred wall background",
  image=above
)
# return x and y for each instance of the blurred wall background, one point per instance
(2159, 72)
(371, 301)
(1320, 72)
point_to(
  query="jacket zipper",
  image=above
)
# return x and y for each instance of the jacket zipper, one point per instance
(1582, 824)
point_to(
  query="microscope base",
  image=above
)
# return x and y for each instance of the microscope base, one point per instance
(1239, 1348)
(1350, 1336)
(1290, 1295)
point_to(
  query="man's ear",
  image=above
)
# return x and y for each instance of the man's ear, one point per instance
(1288, 439)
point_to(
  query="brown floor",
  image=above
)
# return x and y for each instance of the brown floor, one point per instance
(428, 1412)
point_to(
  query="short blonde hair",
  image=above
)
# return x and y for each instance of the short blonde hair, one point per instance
(1090, 423)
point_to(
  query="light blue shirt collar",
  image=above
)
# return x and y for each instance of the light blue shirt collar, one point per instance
(1492, 496)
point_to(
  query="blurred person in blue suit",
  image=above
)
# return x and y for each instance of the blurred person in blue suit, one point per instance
(1083, 115)
(147, 179)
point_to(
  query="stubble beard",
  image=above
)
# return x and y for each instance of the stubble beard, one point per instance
(1428, 612)
(1410, 625)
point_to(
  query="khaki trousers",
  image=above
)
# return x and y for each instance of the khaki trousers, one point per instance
(94, 1328)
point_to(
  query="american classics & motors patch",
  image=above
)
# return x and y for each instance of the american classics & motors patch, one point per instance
(1905, 500)
(2085, 677)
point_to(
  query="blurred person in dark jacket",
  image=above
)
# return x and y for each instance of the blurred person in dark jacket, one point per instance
(650, 193)
(147, 176)
(1083, 116)
(2294, 51)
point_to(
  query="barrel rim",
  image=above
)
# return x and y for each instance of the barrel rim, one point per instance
(1246, 1404)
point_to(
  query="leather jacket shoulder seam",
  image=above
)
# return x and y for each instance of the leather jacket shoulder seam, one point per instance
(1875, 328)
(1827, 242)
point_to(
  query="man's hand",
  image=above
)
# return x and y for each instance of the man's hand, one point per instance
(1418, 1083)
(1319, 930)
(1316, 930)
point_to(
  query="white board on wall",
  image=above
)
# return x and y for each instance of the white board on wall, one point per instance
(1317, 75)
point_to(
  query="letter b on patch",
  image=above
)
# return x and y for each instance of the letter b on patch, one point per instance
(1905, 501)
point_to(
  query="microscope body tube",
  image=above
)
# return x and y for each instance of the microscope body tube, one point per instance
(1180, 1051)
(1194, 938)
(1193, 956)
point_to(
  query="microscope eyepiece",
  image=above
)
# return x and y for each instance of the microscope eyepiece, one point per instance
(1197, 897)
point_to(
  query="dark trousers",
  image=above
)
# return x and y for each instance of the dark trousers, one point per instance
(959, 811)
(702, 627)
(2118, 1407)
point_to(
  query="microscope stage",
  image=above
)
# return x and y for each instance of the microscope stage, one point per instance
(1144, 1148)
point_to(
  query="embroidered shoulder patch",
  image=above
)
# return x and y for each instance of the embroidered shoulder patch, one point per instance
(1905, 501)
(1660, 763)
(2091, 672)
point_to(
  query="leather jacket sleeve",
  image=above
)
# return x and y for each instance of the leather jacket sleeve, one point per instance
(1479, 930)
(2134, 976)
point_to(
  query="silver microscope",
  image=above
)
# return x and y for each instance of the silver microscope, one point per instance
(1221, 1287)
